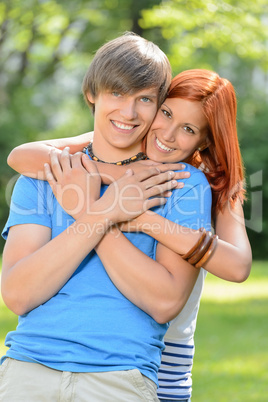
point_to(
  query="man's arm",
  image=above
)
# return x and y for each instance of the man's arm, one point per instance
(122, 266)
(160, 288)
(24, 286)
(35, 267)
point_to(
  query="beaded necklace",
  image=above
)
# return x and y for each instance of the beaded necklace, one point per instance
(138, 157)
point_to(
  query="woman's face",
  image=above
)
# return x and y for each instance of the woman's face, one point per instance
(179, 128)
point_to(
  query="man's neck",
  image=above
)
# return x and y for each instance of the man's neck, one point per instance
(108, 152)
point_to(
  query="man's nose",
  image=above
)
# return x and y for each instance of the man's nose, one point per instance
(129, 110)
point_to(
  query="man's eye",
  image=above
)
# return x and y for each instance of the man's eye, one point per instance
(145, 99)
(116, 94)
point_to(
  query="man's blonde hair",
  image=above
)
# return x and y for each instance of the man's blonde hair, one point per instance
(128, 64)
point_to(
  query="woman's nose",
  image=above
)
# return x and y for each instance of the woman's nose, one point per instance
(169, 135)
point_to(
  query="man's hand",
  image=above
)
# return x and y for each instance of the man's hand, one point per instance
(74, 180)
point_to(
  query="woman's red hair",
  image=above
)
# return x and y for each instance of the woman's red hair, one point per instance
(221, 161)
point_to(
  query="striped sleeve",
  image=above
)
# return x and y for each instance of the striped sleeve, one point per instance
(174, 375)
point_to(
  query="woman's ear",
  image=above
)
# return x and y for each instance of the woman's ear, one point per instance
(205, 144)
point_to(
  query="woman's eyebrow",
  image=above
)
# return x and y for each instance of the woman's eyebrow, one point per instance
(170, 111)
(191, 124)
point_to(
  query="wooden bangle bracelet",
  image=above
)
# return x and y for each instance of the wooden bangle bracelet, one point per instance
(193, 249)
(200, 252)
(208, 253)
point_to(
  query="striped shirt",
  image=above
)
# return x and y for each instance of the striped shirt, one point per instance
(175, 373)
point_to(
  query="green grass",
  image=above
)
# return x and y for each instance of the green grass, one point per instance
(231, 360)
(8, 322)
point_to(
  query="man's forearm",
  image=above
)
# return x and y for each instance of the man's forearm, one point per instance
(37, 276)
(150, 285)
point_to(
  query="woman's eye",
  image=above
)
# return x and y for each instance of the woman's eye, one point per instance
(166, 113)
(116, 94)
(188, 130)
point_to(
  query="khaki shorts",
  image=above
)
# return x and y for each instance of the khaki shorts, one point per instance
(31, 382)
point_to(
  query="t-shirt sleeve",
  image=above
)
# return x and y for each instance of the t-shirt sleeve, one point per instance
(30, 203)
(191, 205)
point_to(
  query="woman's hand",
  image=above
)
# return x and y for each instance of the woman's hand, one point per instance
(135, 193)
(163, 167)
(74, 180)
(110, 172)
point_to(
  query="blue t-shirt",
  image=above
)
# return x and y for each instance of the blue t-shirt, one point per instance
(89, 326)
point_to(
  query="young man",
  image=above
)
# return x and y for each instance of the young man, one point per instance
(76, 331)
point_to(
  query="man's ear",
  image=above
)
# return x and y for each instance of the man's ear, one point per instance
(90, 98)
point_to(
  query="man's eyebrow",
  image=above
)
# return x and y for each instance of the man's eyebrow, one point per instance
(149, 95)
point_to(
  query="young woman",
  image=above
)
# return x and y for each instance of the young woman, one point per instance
(195, 124)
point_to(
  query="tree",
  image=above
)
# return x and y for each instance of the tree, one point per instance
(46, 47)
(229, 37)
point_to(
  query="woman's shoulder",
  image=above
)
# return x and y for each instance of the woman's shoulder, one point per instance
(197, 174)
(191, 169)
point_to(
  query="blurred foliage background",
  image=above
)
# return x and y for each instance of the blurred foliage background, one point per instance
(47, 45)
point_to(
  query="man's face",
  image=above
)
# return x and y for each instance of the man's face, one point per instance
(121, 122)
